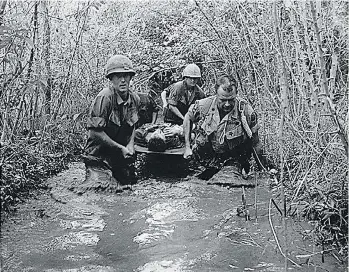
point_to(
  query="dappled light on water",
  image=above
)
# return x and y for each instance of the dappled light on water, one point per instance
(162, 224)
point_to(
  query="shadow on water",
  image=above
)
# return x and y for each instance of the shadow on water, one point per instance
(165, 223)
(164, 166)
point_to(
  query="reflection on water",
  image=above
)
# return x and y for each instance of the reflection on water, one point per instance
(163, 266)
(161, 218)
(164, 224)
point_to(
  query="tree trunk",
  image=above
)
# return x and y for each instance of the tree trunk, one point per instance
(67, 82)
(30, 68)
(47, 60)
(332, 107)
(2, 11)
(284, 105)
(4, 132)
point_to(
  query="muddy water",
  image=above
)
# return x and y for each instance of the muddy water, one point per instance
(163, 224)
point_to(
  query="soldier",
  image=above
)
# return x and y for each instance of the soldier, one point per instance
(111, 123)
(148, 108)
(181, 95)
(226, 128)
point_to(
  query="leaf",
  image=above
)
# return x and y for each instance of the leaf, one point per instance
(95, 5)
(42, 83)
(6, 59)
(49, 125)
(3, 44)
(77, 116)
(29, 42)
(304, 256)
(4, 29)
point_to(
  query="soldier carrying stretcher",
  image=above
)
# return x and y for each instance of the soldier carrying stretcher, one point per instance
(226, 129)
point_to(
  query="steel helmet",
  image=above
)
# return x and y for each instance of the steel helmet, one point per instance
(191, 70)
(119, 64)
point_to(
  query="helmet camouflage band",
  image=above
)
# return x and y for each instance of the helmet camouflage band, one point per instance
(119, 64)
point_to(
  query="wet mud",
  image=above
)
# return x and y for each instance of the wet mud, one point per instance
(169, 221)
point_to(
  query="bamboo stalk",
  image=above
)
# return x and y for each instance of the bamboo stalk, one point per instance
(224, 44)
(255, 195)
(4, 131)
(47, 60)
(2, 10)
(244, 204)
(302, 70)
(332, 108)
(70, 68)
(308, 171)
(310, 79)
(276, 238)
(284, 105)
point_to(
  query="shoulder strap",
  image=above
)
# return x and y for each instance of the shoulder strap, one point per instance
(241, 107)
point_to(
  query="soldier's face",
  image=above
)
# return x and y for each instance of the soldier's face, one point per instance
(191, 81)
(226, 97)
(121, 82)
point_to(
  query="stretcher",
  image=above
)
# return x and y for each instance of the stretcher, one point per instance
(174, 151)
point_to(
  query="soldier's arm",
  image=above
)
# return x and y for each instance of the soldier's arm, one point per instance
(164, 99)
(154, 117)
(102, 138)
(154, 109)
(97, 122)
(187, 128)
(131, 144)
(173, 99)
(176, 111)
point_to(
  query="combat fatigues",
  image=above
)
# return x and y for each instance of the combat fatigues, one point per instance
(178, 96)
(117, 119)
(146, 108)
(217, 140)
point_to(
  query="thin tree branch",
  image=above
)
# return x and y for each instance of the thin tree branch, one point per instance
(332, 107)
(275, 236)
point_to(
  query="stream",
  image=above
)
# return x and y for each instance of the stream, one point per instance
(165, 223)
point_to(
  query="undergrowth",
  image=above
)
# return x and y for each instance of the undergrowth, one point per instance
(321, 197)
(26, 164)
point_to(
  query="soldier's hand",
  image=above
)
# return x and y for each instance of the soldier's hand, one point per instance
(126, 152)
(173, 130)
(131, 149)
(188, 153)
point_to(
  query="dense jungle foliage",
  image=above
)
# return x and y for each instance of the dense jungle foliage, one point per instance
(290, 59)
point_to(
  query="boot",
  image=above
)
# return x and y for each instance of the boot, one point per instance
(230, 175)
(97, 179)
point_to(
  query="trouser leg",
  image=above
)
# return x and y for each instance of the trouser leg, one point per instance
(123, 170)
(240, 156)
(245, 156)
(98, 176)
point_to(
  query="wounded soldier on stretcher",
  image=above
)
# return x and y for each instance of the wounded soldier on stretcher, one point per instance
(160, 137)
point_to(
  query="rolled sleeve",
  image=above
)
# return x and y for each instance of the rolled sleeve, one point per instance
(99, 112)
(174, 96)
(96, 122)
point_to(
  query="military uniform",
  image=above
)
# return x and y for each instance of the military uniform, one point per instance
(146, 109)
(217, 140)
(117, 119)
(179, 96)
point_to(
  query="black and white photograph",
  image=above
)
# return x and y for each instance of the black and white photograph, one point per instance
(174, 135)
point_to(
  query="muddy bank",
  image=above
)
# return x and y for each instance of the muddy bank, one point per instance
(162, 224)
